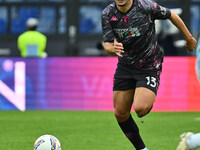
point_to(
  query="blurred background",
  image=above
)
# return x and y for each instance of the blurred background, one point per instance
(73, 28)
(63, 81)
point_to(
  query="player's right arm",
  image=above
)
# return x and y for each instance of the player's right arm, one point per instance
(111, 46)
(114, 48)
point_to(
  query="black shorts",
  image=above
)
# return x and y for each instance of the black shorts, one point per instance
(127, 77)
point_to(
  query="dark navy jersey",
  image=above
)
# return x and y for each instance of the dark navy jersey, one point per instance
(135, 29)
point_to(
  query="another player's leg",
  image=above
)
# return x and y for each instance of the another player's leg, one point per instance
(123, 102)
(183, 141)
(143, 101)
(189, 141)
(194, 141)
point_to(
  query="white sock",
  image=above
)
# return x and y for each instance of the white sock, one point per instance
(144, 148)
(194, 141)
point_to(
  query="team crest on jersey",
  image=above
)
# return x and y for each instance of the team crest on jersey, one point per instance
(125, 19)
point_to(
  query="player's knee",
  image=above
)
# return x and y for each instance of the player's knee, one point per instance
(121, 116)
(142, 110)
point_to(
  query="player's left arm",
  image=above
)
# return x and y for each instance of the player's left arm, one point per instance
(178, 22)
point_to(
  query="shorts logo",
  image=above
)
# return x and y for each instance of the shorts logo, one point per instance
(113, 81)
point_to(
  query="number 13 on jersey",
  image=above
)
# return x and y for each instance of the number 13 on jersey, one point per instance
(151, 81)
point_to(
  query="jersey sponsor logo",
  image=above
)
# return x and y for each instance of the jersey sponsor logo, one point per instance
(129, 32)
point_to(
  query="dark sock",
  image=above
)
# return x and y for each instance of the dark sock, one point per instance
(131, 131)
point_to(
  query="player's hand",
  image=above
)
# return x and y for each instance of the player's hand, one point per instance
(191, 44)
(118, 48)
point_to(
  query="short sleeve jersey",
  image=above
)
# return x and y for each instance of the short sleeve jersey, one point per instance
(135, 29)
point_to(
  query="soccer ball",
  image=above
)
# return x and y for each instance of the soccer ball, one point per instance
(47, 142)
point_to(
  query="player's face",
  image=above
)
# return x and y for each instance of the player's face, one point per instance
(122, 3)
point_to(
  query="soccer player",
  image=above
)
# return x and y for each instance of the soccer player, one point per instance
(189, 141)
(129, 32)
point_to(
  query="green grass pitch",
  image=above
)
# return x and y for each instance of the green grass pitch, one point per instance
(83, 130)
